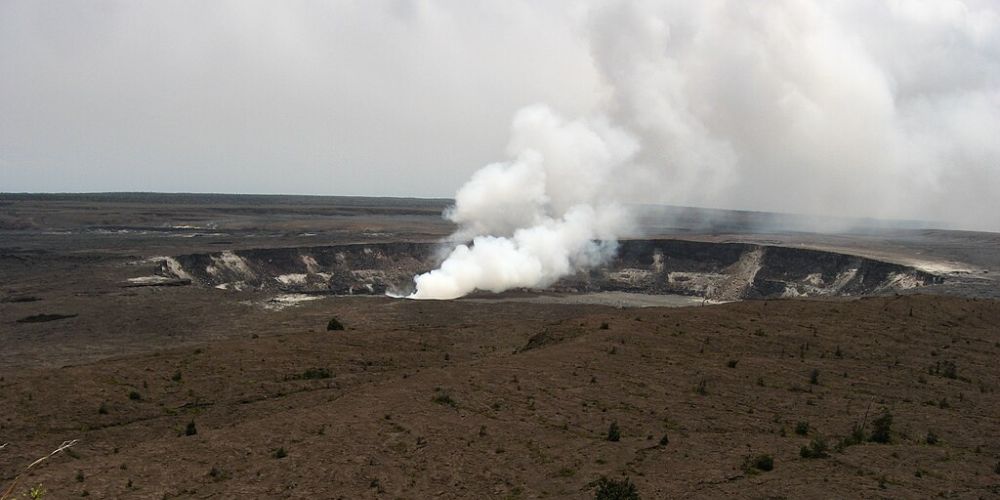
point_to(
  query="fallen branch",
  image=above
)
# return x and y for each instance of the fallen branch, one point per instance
(10, 489)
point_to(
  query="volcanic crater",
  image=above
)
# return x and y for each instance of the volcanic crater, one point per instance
(710, 270)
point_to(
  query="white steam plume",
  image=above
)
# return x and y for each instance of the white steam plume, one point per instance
(549, 211)
(848, 108)
(855, 108)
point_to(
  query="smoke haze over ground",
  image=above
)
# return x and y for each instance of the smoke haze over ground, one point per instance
(851, 108)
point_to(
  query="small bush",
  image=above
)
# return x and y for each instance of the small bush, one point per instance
(802, 428)
(218, 474)
(763, 462)
(665, 440)
(334, 325)
(280, 453)
(103, 409)
(932, 438)
(616, 489)
(314, 374)
(732, 363)
(814, 377)
(614, 432)
(882, 429)
(191, 429)
(817, 448)
(604, 325)
(79, 476)
(36, 492)
(135, 396)
(176, 377)
(443, 398)
(857, 436)
(702, 388)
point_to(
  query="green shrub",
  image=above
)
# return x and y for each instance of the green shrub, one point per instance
(314, 374)
(191, 429)
(882, 429)
(702, 388)
(856, 436)
(614, 432)
(280, 453)
(443, 398)
(932, 438)
(802, 428)
(334, 325)
(817, 448)
(135, 396)
(763, 462)
(616, 489)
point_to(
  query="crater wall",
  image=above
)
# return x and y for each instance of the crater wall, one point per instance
(717, 271)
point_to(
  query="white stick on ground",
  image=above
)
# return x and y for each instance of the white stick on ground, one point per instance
(62, 447)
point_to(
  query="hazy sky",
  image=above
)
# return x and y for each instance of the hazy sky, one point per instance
(852, 107)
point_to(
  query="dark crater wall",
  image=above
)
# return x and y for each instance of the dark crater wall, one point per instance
(719, 271)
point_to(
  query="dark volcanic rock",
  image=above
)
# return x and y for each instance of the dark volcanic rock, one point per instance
(42, 318)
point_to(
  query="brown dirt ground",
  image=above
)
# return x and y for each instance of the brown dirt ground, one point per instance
(516, 422)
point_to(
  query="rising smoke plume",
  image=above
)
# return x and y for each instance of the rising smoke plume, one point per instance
(850, 108)
(545, 213)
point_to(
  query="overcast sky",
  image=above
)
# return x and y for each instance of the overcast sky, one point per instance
(845, 107)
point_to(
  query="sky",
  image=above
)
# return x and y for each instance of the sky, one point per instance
(836, 107)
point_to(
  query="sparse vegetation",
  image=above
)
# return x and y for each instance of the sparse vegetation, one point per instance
(802, 428)
(946, 369)
(702, 387)
(334, 325)
(932, 438)
(817, 448)
(614, 432)
(616, 489)
(135, 396)
(218, 474)
(882, 429)
(732, 363)
(758, 463)
(36, 492)
(280, 453)
(442, 397)
(190, 429)
(313, 374)
(814, 377)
